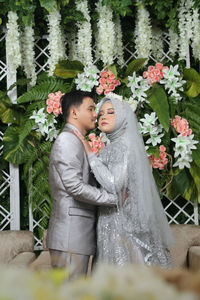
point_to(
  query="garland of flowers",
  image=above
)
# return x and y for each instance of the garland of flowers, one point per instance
(173, 42)
(84, 35)
(28, 54)
(118, 42)
(185, 26)
(157, 43)
(196, 37)
(56, 43)
(143, 33)
(13, 43)
(105, 38)
(71, 41)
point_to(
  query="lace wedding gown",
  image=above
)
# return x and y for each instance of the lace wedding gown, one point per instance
(136, 230)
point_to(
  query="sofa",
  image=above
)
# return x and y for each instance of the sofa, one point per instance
(16, 247)
(185, 252)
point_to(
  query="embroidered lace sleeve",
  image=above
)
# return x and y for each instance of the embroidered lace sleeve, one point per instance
(104, 169)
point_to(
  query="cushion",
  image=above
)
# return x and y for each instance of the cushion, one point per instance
(13, 242)
(194, 258)
(185, 236)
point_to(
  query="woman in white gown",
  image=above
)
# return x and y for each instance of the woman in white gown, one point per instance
(136, 230)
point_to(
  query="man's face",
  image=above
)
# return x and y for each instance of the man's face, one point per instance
(86, 115)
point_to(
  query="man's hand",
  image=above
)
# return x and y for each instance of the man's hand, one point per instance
(85, 143)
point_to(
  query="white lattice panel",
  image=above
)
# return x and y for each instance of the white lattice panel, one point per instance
(184, 209)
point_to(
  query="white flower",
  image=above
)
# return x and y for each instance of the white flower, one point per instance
(196, 37)
(185, 26)
(112, 95)
(88, 79)
(84, 35)
(133, 81)
(71, 42)
(157, 43)
(105, 38)
(155, 139)
(13, 43)
(39, 117)
(173, 82)
(183, 148)
(118, 42)
(56, 41)
(52, 134)
(149, 120)
(173, 42)
(28, 55)
(143, 33)
(133, 103)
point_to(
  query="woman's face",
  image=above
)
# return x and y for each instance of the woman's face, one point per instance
(106, 120)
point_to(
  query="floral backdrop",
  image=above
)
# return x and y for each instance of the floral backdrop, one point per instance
(86, 41)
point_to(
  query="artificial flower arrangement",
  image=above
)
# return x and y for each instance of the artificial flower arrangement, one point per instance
(165, 102)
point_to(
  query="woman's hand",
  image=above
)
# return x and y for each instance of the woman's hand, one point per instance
(85, 143)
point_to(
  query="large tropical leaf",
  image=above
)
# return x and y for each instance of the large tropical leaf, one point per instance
(185, 185)
(159, 104)
(193, 82)
(9, 113)
(43, 89)
(16, 148)
(195, 172)
(134, 66)
(68, 69)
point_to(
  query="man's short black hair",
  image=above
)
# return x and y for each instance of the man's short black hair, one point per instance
(73, 98)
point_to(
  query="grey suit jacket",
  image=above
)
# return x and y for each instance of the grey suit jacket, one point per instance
(73, 215)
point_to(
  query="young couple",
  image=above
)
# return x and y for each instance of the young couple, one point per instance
(129, 224)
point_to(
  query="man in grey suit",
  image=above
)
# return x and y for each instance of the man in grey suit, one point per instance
(71, 235)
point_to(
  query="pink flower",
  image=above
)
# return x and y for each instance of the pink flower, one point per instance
(53, 103)
(95, 142)
(161, 161)
(151, 68)
(99, 90)
(108, 82)
(154, 74)
(92, 136)
(159, 66)
(181, 125)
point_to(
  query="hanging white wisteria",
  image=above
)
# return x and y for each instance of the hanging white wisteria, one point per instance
(143, 34)
(71, 42)
(13, 43)
(56, 42)
(28, 54)
(173, 42)
(196, 34)
(157, 44)
(84, 35)
(105, 39)
(118, 42)
(185, 26)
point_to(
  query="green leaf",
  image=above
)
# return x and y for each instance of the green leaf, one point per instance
(195, 171)
(15, 149)
(68, 69)
(159, 104)
(134, 66)
(193, 81)
(43, 89)
(9, 112)
(153, 150)
(185, 185)
(113, 69)
(48, 4)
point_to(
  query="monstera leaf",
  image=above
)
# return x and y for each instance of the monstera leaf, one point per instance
(193, 82)
(16, 144)
(9, 113)
(68, 69)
